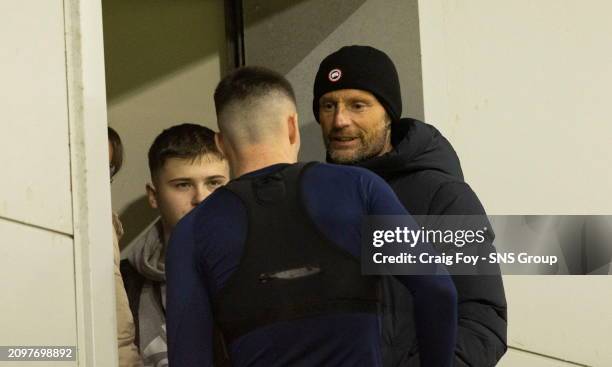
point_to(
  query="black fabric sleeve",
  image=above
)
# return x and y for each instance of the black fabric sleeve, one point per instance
(133, 282)
(482, 307)
(435, 297)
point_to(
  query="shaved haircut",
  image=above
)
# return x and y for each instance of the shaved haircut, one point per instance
(251, 102)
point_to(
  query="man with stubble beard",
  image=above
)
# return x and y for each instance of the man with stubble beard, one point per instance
(357, 102)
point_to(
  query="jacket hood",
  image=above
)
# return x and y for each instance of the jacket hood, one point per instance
(417, 146)
(145, 251)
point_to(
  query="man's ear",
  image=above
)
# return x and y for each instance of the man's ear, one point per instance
(294, 131)
(151, 195)
(220, 143)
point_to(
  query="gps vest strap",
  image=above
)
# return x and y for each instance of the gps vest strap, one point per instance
(288, 269)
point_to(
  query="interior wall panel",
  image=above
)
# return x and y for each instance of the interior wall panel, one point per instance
(57, 280)
(521, 89)
(35, 185)
(517, 358)
(567, 317)
(38, 300)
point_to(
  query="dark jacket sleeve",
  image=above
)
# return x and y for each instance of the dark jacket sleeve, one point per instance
(133, 282)
(482, 308)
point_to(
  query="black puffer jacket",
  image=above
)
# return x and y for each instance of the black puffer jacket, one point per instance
(424, 171)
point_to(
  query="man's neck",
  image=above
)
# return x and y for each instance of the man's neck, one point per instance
(386, 149)
(255, 160)
(388, 146)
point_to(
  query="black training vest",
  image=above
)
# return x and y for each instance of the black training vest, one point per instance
(288, 269)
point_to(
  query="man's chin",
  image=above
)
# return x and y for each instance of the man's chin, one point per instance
(343, 157)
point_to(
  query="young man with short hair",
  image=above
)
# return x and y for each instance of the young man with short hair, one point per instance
(185, 167)
(272, 258)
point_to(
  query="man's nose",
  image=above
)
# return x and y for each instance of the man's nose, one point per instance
(341, 117)
(199, 195)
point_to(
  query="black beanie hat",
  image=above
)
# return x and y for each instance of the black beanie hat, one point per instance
(360, 67)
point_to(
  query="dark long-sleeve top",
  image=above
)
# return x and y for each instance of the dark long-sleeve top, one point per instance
(205, 250)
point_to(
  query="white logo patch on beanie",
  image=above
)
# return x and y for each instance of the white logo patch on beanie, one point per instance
(334, 75)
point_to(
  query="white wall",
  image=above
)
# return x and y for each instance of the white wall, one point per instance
(55, 231)
(34, 93)
(521, 89)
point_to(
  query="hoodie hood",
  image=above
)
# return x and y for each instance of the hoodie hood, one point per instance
(417, 146)
(145, 252)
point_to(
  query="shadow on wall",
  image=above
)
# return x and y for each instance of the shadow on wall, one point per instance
(137, 215)
(283, 33)
(274, 37)
(311, 147)
(145, 40)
